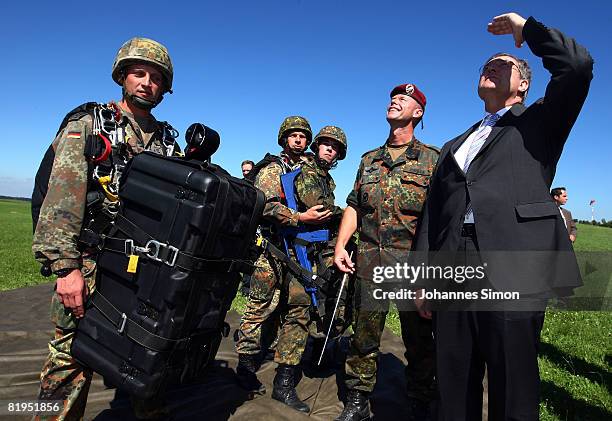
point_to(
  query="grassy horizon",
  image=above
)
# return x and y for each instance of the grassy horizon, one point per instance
(576, 349)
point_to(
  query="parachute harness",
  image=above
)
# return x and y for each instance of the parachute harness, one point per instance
(106, 127)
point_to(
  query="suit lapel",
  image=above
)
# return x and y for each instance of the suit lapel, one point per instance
(567, 219)
(459, 140)
(456, 143)
(495, 132)
(500, 127)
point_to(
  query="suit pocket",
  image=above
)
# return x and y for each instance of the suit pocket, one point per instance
(537, 210)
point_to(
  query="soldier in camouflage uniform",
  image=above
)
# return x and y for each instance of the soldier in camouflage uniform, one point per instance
(385, 204)
(144, 71)
(271, 283)
(315, 186)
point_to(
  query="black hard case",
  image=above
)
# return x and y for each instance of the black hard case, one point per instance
(200, 210)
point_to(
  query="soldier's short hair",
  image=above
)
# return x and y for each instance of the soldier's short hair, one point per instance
(523, 66)
(557, 191)
(247, 161)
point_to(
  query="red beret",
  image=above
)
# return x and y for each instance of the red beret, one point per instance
(412, 91)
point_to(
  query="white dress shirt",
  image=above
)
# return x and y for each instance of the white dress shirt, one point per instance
(461, 153)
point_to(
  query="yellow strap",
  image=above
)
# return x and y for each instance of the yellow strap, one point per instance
(133, 263)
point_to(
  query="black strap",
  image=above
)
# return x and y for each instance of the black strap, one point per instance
(214, 226)
(303, 275)
(132, 329)
(132, 230)
(182, 260)
(260, 203)
(169, 255)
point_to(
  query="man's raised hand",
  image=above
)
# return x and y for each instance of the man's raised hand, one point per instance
(508, 23)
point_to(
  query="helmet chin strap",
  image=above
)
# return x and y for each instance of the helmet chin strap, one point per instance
(327, 165)
(141, 102)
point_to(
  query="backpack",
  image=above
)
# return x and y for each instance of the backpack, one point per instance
(268, 159)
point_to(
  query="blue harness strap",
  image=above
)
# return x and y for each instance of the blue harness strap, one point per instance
(287, 181)
(297, 238)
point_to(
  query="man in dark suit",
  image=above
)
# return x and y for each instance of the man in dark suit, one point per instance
(489, 198)
(559, 195)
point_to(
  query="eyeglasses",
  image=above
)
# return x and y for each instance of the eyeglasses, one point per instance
(497, 64)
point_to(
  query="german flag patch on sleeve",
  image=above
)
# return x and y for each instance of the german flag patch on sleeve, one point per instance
(73, 135)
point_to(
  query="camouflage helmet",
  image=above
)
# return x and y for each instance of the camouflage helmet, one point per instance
(143, 50)
(334, 133)
(294, 123)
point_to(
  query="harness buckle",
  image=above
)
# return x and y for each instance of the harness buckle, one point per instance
(153, 248)
(131, 249)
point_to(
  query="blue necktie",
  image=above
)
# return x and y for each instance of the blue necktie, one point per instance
(479, 140)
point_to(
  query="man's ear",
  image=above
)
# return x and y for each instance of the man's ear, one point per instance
(417, 113)
(523, 86)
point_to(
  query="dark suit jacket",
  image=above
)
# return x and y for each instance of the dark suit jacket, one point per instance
(569, 222)
(520, 232)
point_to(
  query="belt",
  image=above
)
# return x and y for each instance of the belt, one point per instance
(468, 230)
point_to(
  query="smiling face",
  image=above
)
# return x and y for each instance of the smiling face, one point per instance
(403, 108)
(144, 81)
(501, 78)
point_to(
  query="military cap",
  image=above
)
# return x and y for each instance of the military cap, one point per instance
(412, 91)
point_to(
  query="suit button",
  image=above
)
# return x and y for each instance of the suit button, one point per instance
(469, 183)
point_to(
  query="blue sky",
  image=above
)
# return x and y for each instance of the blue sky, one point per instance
(241, 67)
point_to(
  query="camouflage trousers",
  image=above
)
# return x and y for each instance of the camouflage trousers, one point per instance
(273, 291)
(62, 377)
(368, 324)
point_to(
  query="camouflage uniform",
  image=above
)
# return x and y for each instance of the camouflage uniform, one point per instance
(315, 186)
(269, 281)
(388, 196)
(56, 241)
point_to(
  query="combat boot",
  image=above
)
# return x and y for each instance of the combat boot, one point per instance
(284, 388)
(356, 408)
(247, 375)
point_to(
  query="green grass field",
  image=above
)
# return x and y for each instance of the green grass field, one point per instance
(17, 265)
(576, 351)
